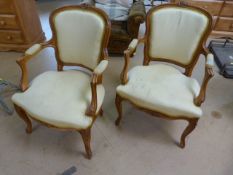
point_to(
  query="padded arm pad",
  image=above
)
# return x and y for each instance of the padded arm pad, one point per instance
(34, 49)
(101, 67)
(210, 60)
(133, 44)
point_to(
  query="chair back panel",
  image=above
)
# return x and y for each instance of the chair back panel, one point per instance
(175, 33)
(79, 35)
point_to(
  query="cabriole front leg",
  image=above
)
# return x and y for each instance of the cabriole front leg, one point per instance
(118, 102)
(22, 114)
(191, 126)
(86, 136)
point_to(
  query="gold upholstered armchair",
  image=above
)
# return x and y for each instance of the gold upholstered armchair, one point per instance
(68, 99)
(175, 34)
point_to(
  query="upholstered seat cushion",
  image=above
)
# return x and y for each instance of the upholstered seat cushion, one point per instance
(162, 88)
(60, 99)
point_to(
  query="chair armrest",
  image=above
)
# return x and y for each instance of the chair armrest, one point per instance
(96, 79)
(33, 50)
(29, 54)
(137, 15)
(133, 44)
(210, 60)
(127, 55)
(101, 67)
(209, 73)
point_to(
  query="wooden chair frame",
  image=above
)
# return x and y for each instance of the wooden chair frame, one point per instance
(95, 80)
(201, 49)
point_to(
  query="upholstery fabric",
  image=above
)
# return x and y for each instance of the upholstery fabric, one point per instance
(210, 60)
(175, 33)
(79, 35)
(133, 44)
(162, 88)
(60, 99)
(101, 67)
(33, 49)
(114, 11)
(137, 9)
(125, 23)
(124, 3)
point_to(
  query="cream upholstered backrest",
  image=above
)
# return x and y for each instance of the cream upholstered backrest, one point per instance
(175, 33)
(79, 35)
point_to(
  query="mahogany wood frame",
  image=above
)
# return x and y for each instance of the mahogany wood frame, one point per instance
(201, 49)
(96, 78)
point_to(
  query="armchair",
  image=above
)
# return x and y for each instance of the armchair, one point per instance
(71, 99)
(125, 22)
(175, 34)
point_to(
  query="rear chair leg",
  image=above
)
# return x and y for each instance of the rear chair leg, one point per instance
(118, 103)
(22, 114)
(101, 113)
(191, 126)
(86, 136)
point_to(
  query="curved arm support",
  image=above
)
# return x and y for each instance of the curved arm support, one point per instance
(91, 110)
(96, 79)
(209, 73)
(127, 55)
(29, 54)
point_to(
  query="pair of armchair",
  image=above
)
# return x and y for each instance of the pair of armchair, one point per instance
(72, 100)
